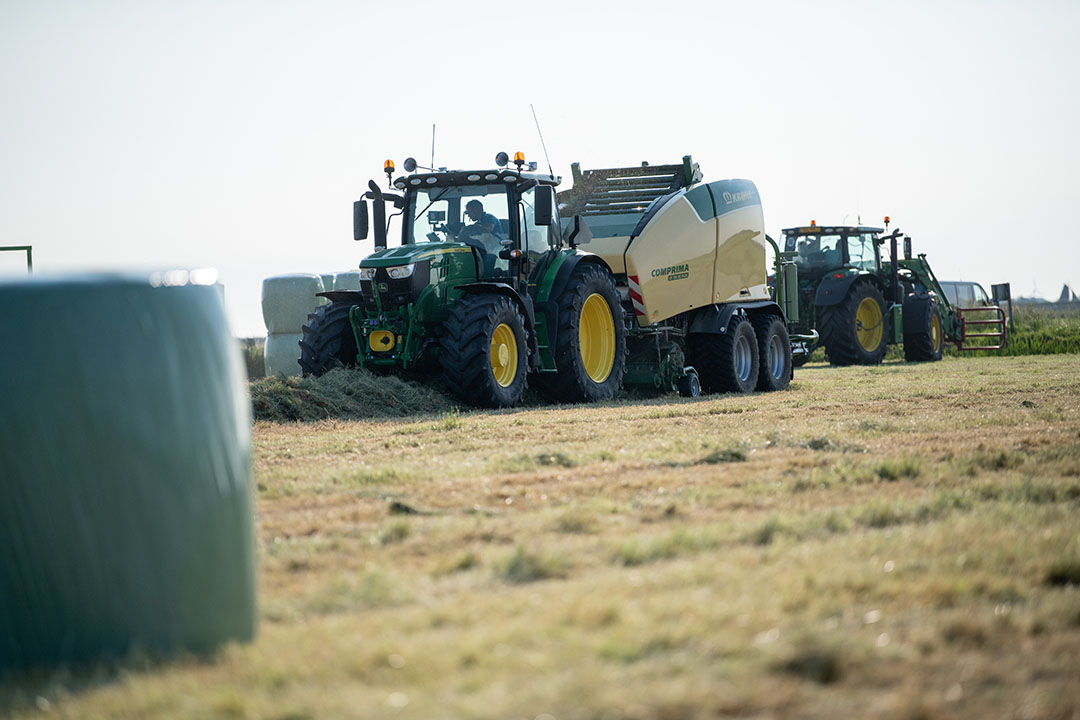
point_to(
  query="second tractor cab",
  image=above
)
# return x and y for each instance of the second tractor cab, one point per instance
(860, 303)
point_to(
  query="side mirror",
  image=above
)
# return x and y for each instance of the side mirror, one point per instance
(544, 209)
(579, 232)
(907, 248)
(359, 220)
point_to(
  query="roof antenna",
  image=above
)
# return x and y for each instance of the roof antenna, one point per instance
(551, 172)
(432, 145)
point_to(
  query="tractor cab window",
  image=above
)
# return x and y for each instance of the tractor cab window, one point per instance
(477, 215)
(816, 252)
(861, 251)
(535, 239)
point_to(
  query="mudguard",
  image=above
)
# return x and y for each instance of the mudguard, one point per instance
(550, 305)
(349, 296)
(833, 290)
(714, 319)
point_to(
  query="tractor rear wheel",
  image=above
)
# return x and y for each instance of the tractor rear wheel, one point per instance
(483, 351)
(728, 361)
(853, 332)
(922, 311)
(774, 352)
(328, 341)
(590, 341)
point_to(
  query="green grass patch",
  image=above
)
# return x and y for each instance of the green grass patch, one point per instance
(523, 566)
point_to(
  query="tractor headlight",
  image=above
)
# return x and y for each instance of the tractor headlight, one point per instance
(367, 273)
(401, 271)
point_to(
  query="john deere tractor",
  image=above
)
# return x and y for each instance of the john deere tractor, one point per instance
(860, 303)
(491, 288)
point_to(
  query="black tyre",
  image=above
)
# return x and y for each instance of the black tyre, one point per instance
(922, 313)
(800, 360)
(728, 361)
(689, 385)
(484, 353)
(854, 331)
(328, 341)
(590, 342)
(774, 352)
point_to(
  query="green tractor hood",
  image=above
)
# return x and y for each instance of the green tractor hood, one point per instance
(405, 254)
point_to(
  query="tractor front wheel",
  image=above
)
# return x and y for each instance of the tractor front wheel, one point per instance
(328, 341)
(853, 332)
(926, 344)
(590, 341)
(727, 361)
(483, 351)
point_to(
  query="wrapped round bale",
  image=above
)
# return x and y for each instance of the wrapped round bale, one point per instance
(125, 501)
(287, 300)
(349, 280)
(329, 282)
(281, 356)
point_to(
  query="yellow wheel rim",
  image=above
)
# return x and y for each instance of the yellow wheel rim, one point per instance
(935, 333)
(504, 355)
(596, 338)
(868, 326)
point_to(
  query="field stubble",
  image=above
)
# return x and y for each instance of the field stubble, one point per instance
(900, 541)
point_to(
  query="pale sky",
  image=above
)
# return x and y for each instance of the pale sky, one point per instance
(235, 135)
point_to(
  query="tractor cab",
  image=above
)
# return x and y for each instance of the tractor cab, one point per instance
(821, 250)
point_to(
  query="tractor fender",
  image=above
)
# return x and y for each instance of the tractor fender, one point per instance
(714, 319)
(353, 297)
(524, 304)
(550, 305)
(566, 269)
(833, 290)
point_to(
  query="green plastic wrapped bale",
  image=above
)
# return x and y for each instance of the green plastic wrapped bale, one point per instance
(281, 354)
(349, 280)
(288, 299)
(125, 498)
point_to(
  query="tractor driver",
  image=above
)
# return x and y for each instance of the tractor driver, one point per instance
(475, 210)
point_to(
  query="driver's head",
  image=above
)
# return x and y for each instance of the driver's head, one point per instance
(475, 210)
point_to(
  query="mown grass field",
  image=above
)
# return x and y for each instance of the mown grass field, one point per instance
(899, 541)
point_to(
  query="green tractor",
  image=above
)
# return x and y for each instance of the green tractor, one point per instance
(490, 288)
(860, 303)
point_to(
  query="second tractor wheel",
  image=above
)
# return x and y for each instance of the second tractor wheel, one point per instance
(853, 332)
(483, 351)
(774, 352)
(590, 341)
(926, 342)
(328, 341)
(728, 361)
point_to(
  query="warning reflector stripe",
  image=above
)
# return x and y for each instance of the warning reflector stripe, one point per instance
(635, 295)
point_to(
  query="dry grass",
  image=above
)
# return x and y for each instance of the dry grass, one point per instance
(900, 542)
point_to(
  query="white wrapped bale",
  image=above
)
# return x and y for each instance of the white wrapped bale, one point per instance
(282, 354)
(329, 282)
(125, 505)
(349, 280)
(287, 300)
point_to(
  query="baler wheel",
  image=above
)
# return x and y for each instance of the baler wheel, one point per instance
(854, 331)
(590, 341)
(774, 352)
(925, 345)
(728, 361)
(484, 353)
(328, 341)
(689, 385)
